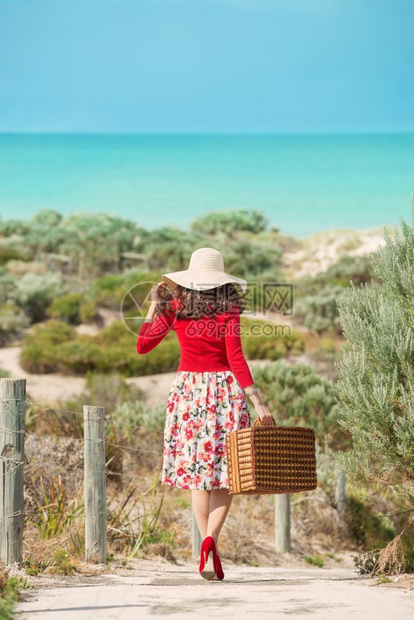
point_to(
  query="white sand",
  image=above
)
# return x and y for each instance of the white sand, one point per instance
(320, 251)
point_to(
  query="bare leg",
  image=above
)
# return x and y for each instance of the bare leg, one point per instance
(201, 499)
(220, 502)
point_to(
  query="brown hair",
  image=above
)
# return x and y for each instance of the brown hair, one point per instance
(196, 304)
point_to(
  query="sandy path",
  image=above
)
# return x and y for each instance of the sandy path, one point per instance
(323, 249)
(177, 591)
(47, 389)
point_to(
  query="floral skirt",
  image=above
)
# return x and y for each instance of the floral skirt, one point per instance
(201, 408)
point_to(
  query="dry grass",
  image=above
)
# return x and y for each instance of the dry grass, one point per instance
(248, 535)
(391, 559)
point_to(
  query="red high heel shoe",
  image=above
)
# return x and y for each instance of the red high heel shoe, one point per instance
(217, 566)
(206, 568)
(210, 564)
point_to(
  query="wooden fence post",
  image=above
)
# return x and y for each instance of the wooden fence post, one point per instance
(95, 484)
(12, 423)
(282, 518)
(196, 538)
(340, 501)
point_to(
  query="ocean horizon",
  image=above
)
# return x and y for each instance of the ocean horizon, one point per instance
(302, 182)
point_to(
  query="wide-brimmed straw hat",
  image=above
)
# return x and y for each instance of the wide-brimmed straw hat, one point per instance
(205, 271)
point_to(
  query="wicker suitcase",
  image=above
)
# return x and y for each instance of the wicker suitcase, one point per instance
(271, 459)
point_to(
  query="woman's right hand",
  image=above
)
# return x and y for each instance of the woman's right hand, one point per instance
(265, 415)
(154, 292)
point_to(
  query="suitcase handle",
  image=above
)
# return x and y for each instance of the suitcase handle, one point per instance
(259, 423)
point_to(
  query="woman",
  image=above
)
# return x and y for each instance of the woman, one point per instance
(202, 304)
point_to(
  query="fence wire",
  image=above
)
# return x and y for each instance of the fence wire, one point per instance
(7, 470)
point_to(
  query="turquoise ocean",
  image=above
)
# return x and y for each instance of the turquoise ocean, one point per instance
(303, 183)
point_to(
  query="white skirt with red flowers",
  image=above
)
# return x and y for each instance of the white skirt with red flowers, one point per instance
(201, 408)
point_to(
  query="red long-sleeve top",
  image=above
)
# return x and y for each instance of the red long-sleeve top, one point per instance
(207, 344)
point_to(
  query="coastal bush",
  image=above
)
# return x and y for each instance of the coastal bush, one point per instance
(229, 221)
(34, 293)
(8, 253)
(95, 241)
(109, 291)
(168, 248)
(315, 296)
(77, 356)
(375, 387)
(367, 527)
(88, 311)
(128, 419)
(359, 269)
(66, 308)
(13, 322)
(327, 351)
(7, 284)
(55, 346)
(320, 312)
(13, 227)
(250, 259)
(40, 347)
(271, 348)
(298, 396)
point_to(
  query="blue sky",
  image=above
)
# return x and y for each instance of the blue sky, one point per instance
(206, 65)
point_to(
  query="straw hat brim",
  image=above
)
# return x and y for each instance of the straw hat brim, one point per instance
(201, 280)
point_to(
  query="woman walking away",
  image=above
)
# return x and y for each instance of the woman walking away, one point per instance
(202, 304)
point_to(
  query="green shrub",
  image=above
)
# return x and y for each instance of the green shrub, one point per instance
(250, 259)
(13, 322)
(33, 565)
(34, 293)
(10, 592)
(110, 291)
(228, 221)
(40, 348)
(66, 308)
(315, 559)
(88, 311)
(298, 396)
(61, 563)
(367, 527)
(315, 302)
(55, 512)
(9, 253)
(261, 344)
(375, 387)
(128, 419)
(327, 351)
(55, 346)
(78, 356)
(319, 312)
(359, 269)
